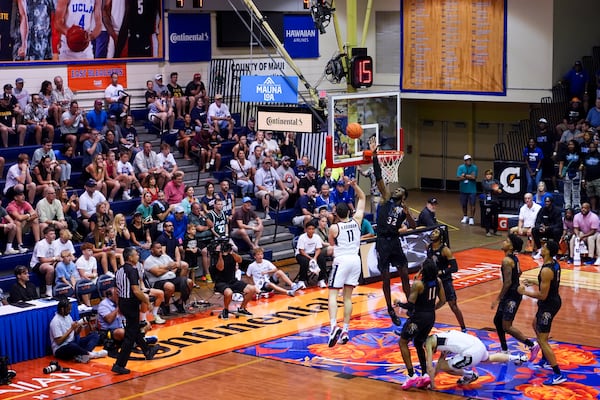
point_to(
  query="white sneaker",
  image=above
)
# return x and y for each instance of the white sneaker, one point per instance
(126, 196)
(98, 354)
(471, 221)
(11, 251)
(173, 131)
(207, 166)
(158, 320)
(322, 284)
(597, 262)
(82, 359)
(291, 293)
(23, 249)
(267, 216)
(212, 162)
(464, 220)
(538, 255)
(111, 274)
(301, 285)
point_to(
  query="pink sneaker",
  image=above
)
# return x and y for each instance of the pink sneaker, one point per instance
(534, 351)
(424, 382)
(411, 381)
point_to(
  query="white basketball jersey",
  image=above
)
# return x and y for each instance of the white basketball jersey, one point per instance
(81, 13)
(117, 12)
(347, 241)
(456, 342)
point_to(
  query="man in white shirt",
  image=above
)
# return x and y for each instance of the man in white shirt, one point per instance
(527, 216)
(308, 252)
(116, 98)
(220, 118)
(44, 258)
(88, 202)
(268, 184)
(266, 276)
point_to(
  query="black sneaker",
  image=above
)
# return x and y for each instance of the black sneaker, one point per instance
(224, 314)
(334, 335)
(243, 311)
(395, 319)
(152, 350)
(117, 369)
(180, 308)
(165, 309)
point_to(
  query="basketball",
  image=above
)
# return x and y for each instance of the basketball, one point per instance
(77, 38)
(354, 130)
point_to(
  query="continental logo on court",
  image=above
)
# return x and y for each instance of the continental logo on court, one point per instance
(232, 327)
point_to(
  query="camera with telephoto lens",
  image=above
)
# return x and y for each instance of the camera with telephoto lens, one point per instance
(219, 245)
(54, 366)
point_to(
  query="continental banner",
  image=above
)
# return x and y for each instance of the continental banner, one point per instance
(454, 46)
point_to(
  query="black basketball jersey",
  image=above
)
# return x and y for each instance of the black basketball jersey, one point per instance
(390, 217)
(143, 14)
(426, 300)
(553, 297)
(515, 275)
(440, 260)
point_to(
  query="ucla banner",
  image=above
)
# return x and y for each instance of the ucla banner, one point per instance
(189, 37)
(269, 89)
(300, 37)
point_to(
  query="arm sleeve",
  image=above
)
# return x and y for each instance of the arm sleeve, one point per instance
(376, 168)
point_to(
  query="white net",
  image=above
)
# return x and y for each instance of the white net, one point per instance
(389, 162)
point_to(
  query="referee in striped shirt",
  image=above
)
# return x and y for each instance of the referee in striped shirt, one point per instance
(130, 298)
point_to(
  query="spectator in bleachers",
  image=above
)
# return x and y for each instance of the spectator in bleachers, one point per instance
(166, 160)
(149, 185)
(73, 125)
(97, 117)
(186, 134)
(188, 199)
(341, 195)
(323, 232)
(145, 208)
(575, 113)
(180, 223)
(546, 140)
(112, 183)
(588, 138)
(305, 208)
(20, 93)
(66, 272)
(208, 200)
(130, 136)
(46, 151)
(23, 213)
(49, 210)
(204, 236)
(548, 226)
(119, 233)
(243, 173)
(196, 89)
(87, 264)
(36, 119)
(63, 242)
(288, 176)
(242, 144)
(146, 162)
(593, 115)
(590, 176)
(158, 85)
(44, 258)
(300, 169)
(217, 220)
(70, 206)
(139, 234)
(310, 179)
(116, 98)
(64, 157)
(327, 178)
(246, 225)
(271, 145)
(324, 199)
(569, 171)
(427, 215)
(571, 133)
(227, 197)
(268, 185)
(100, 252)
(23, 289)
(112, 126)
(42, 175)
(171, 245)
(161, 209)
(177, 93)
(585, 228)
(249, 130)
(126, 176)
(213, 157)
(175, 189)
(256, 157)
(8, 229)
(567, 234)
(160, 113)
(191, 251)
(220, 118)
(8, 121)
(527, 215)
(539, 197)
(97, 171)
(578, 79)
(50, 107)
(199, 113)
(101, 218)
(259, 142)
(533, 157)
(157, 294)
(61, 96)
(288, 147)
(150, 93)
(91, 148)
(309, 250)
(88, 202)
(18, 174)
(161, 273)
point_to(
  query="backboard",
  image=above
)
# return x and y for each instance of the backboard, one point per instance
(379, 116)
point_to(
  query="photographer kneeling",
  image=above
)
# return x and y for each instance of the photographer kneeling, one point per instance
(223, 274)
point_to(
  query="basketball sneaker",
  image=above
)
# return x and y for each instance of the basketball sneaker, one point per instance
(467, 379)
(344, 338)
(424, 382)
(534, 351)
(555, 379)
(411, 381)
(334, 335)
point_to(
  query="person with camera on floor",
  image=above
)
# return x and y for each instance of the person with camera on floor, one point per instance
(223, 273)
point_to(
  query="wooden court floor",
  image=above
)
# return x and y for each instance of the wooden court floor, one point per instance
(237, 376)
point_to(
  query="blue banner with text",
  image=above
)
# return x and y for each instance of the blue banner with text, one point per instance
(269, 89)
(189, 37)
(300, 37)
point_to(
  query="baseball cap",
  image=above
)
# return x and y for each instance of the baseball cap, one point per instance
(137, 213)
(19, 80)
(543, 120)
(112, 116)
(285, 158)
(340, 183)
(246, 199)
(90, 182)
(467, 157)
(8, 86)
(299, 163)
(218, 96)
(158, 77)
(179, 209)
(575, 100)
(432, 200)
(252, 119)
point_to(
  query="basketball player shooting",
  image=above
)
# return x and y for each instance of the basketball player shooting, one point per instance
(391, 214)
(79, 22)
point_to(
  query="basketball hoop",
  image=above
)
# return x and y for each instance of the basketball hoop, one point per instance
(389, 161)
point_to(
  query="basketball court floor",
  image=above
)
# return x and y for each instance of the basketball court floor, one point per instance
(282, 351)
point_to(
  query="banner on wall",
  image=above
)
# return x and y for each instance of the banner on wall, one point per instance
(94, 76)
(269, 89)
(63, 31)
(454, 46)
(300, 37)
(189, 37)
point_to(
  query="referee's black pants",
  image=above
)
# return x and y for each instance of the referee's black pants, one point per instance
(130, 308)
